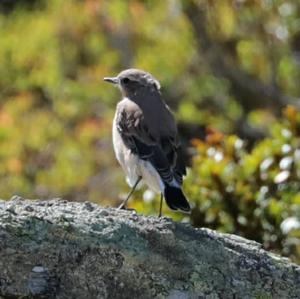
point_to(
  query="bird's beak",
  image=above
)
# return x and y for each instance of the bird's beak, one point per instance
(113, 80)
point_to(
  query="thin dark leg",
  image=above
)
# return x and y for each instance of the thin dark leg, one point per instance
(123, 204)
(161, 203)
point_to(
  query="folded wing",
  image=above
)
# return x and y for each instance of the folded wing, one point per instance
(160, 151)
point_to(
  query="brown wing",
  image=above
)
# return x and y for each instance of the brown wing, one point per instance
(138, 137)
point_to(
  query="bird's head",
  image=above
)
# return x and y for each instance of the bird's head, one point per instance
(132, 81)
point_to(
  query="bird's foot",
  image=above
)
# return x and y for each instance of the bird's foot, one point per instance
(123, 207)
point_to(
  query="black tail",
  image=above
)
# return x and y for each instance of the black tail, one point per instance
(175, 199)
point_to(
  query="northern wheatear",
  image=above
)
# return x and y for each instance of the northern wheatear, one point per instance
(145, 138)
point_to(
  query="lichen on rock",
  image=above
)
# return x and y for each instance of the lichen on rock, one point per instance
(60, 249)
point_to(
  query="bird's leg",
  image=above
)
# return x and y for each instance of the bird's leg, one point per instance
(161, 203)
(123, 204)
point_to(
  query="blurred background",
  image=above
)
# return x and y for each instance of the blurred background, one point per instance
(229, 69)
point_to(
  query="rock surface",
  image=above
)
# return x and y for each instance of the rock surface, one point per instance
(59, 249)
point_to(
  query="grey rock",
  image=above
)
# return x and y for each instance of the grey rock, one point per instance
(63, 250)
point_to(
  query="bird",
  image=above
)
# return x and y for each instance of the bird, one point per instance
(145, 139)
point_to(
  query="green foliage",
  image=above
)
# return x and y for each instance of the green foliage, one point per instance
(255, 194)
(54, 125)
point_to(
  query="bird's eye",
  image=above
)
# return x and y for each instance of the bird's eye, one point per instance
(125, 80)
